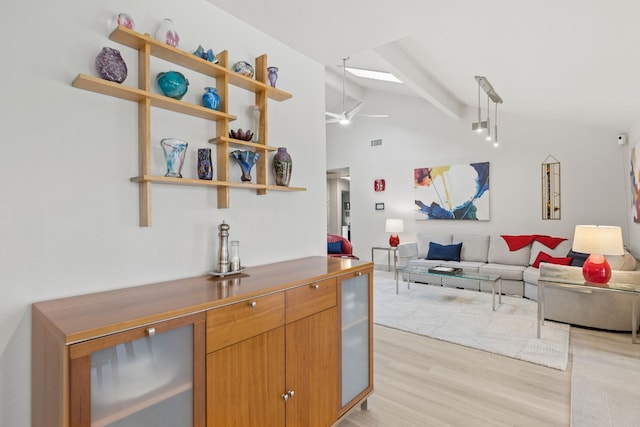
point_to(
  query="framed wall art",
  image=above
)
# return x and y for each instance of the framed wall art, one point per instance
(379, 206)
(454, 192)
(550, 177)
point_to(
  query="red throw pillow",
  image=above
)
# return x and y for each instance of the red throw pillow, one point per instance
(545, 257)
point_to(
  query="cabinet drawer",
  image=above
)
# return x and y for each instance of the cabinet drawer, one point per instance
(308, 299)
(240, 321)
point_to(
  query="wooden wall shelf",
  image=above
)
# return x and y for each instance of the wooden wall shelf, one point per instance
(145, 98)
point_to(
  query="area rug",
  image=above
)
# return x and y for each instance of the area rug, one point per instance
(465, 317)
(604, 389)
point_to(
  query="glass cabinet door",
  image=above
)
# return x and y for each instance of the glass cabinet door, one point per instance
(142, 377)
(356, 337)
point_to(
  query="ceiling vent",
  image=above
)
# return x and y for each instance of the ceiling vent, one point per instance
(376, 142)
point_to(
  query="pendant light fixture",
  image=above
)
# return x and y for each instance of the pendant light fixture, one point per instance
(480, 125)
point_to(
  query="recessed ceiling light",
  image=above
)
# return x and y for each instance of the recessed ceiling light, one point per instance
(374, 75)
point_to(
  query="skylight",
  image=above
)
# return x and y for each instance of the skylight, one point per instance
(374, 75)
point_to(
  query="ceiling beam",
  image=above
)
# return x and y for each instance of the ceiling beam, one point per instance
(419, 81)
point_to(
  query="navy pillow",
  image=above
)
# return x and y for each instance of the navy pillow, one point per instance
(577, 258)
(444, 252)
(334, 247)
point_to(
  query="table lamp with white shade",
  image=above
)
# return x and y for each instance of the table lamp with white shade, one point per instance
(597, 241)
(394, 226)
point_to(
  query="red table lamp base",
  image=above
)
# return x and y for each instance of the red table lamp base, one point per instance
(394, 240)
(596, 269)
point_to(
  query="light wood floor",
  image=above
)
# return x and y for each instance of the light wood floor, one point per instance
(421, 381)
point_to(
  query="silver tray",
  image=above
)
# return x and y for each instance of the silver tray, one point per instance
(228, 273)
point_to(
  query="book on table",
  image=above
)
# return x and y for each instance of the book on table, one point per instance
(445, 270)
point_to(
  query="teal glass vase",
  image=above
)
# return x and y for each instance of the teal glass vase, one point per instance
(172, 84)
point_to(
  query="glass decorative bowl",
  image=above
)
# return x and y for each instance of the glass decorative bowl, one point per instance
(244, 68)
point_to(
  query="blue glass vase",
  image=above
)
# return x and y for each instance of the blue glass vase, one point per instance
(210, 98)
(172, 84)
(246, 160)
(174, 151)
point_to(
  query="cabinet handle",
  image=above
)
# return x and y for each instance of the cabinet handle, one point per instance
(253, 304)
(150, 332)
(288, 395)
(315, 286)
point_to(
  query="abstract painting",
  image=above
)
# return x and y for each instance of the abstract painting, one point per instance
(458, 192)
(635, 182)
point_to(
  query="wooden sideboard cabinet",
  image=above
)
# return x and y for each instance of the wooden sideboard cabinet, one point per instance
(284, 344)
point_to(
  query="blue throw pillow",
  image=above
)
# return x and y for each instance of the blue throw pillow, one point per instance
(334, 247)
(577, 258)
(444, 252)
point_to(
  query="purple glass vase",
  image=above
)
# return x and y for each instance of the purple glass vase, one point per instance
(272, 75)
(282, 166)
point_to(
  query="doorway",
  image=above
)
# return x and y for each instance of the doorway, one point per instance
(339, 203)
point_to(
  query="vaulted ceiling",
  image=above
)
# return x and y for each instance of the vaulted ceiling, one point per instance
(574, 61)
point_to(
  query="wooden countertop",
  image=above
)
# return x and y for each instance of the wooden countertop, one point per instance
(89, 316)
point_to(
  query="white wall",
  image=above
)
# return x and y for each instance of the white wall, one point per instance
(594, 184)
(69, 214)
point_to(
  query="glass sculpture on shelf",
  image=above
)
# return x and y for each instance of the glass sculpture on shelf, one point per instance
(174, 151)
(282, 166)
(167, 33)
(172, 84)
(244, 68)
(272, 75)
(254, 110)
(246, 160)
(205, 168)
(110, 65)
(210, 98)
(208, 54)
(125, 20)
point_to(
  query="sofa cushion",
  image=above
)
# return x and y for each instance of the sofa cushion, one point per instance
(624, 262)
(334, 247)
(505, 271)
(545, 257)
(499, 253)
(444, 252)
(577, 258)
(531, 275)
(559, 251)
(425, 238)
(475, 247)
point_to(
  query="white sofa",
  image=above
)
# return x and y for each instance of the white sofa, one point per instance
(490, 254)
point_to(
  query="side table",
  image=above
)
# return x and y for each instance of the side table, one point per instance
(390, 250)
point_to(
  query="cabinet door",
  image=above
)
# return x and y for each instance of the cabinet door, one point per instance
(146, 376)
(356, 312)
(245, 382)
(312, 370)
